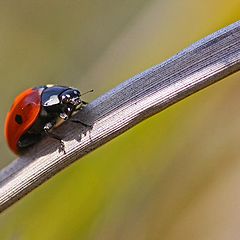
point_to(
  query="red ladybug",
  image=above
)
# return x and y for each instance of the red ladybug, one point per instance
(36, 111)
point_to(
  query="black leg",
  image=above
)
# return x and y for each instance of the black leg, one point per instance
(67, 113)
(47, 129)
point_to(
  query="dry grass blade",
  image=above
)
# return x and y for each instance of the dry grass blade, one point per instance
(200, 65)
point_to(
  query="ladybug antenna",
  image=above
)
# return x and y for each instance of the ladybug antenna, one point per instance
(86, 92)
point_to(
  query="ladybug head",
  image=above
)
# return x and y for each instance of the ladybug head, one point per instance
(70, 97)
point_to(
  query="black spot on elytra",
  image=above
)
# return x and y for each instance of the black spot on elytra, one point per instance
(18, 119)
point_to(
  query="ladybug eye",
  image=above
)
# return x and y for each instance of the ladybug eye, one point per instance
(18, 119)
(66, 98)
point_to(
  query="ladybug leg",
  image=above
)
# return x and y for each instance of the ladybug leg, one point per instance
(67, 114)
(47, 128)
(63, 116)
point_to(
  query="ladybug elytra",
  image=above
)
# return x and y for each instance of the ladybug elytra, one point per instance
(36, 111)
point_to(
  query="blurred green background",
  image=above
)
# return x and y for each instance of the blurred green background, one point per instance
(174, 176)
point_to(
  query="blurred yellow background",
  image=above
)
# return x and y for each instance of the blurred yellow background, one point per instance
(174, 176)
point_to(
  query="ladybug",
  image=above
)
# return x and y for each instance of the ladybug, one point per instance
(36, 111)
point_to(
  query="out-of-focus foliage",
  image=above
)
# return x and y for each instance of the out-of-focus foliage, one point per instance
(174, 176)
